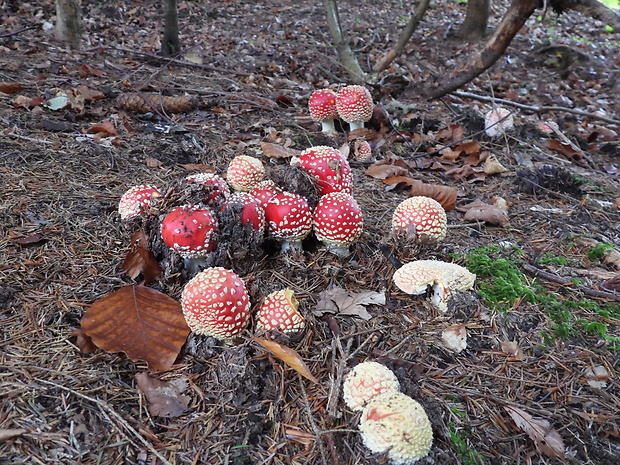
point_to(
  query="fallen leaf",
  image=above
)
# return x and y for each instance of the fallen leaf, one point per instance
(455, 337)
(489, 214)
(86, 70)
(278, 151)
(83, 341)
(597, 376)
(140, 259)
(340, 301)
(90, 95)
(164, 398)
(22, 101)
(33, 239)
(153, 162)
(512, 349)
(10, 433)
(546, 439)
(142, 322)
(567, 150)
(288, 356)
(445, 195)
(198, 168)
(105, 129)
(383, 170)
(493, 166)
(10, 87)
(470, 148)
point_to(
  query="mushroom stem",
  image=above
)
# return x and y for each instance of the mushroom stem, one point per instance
(327, 126)
(354, 126)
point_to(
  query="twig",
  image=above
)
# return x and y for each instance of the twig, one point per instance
(18, 32)
(537, 272)
(107, 411)
(536, 109)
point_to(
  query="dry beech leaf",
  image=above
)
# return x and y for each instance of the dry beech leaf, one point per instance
(597, 376)
(10, 87)
(480, 211)
(140, 259)
(83, 341)
(105, 129)
(152, 162)
(445, 195)
(164, 398)
(383, 170)
(142, 322)
(565, 149)
(512, 349)
(546, 439)
(288, 356)
(469, 148)
(455, 337)
(340, 301)
(278, 151)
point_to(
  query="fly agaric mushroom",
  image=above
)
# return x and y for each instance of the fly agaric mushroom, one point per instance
(278, 312)
(264, 191)
(422, 218)
(244, 172)
(354, 105)
(328, 167)
(365, 382)
(395, 423)
(215, 303)
(191, 232)
(218, 189)
(289, 218)
(250, 212)
(445, 278)
(322, 106)
(136, 200)
(362, 151)
(498, 121)
(338, 222)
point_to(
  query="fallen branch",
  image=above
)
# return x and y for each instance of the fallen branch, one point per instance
(535, 109)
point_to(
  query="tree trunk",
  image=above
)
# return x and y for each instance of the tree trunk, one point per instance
(404, 37)
(345, 54)
(517, 14)
(170, 44)
(476, 19)
(69, 22)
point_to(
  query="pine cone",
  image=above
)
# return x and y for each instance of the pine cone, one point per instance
(144, 103)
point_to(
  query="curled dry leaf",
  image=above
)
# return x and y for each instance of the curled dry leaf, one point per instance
(568, 150)
(340, 301)
(445, 195)
(140, 259)
(288, 356)
(105, 129)
(597, 376)
(278, 151)
(455, 337)
(164, 398)
(480, 211)
(493, 166)
(383, 170)
(83, 341)
(546, 439)
(139, 321)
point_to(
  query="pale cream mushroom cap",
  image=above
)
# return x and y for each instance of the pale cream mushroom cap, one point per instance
(365, 382)
(397, 424)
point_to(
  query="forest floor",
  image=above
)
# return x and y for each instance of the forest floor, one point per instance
(543, 320)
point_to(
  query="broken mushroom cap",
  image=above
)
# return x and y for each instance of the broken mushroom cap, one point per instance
(354, 105)
(422, 218)
(498, 121)
(338, 222)
(289, 218)
(278, 312)
(244, 172)
(365, 382)
(322, 107)
(264, 191)
(395, 423)
(215, 303)
(218, 190)
(330, 170)
(250, 210)
(190, 231)
(135, 200)
(445, 278)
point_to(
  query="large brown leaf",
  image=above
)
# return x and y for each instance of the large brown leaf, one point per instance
(546, 439)
(340, 301)
(288, 356)
(164, 398)
(139, 321)
(140, 259)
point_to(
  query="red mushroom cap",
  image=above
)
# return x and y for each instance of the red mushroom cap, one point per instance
(218, 189)
(251, 213)
(362, 151)
(136, 200)
(289, 217)
(354, 105)
(190, 231)
(421, 217)
(329, 168)
(244, 172)
(338, 221)
(215, 303)
(322, 106)
(264, 191)
(279, 313)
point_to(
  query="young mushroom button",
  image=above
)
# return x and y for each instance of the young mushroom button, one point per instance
(421, 218)
(322, 107)
(354, 105)
(365, 382)
(136, 200)
(338, 222)
(215, 303)
(279, 313)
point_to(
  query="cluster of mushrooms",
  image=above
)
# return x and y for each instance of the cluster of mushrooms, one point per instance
(215, 301)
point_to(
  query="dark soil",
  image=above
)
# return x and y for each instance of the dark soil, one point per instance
(253, 67)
